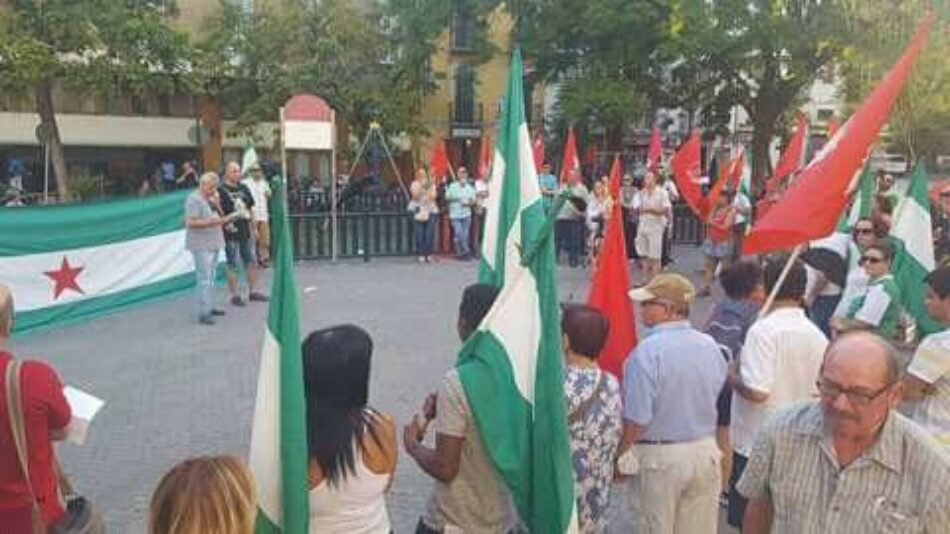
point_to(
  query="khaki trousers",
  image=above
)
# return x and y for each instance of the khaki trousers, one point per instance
(676, 490)
(263, 240)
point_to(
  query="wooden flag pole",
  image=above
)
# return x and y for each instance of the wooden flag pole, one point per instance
(781, 280)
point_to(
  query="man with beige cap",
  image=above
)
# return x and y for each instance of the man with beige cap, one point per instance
(671, 383)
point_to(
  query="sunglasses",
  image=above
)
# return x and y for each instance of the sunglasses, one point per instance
(871, 259)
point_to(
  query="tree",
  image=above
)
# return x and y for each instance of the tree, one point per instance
(920, 123)
(760, 55)
(599, 51)
(369, 60)
(88, 45)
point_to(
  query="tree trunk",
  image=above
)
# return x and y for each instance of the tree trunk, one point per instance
(44, 108)
(763, 130)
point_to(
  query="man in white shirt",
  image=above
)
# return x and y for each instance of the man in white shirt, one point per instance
(927, 383)
(743, 209)
(260, 216)
(778, 366)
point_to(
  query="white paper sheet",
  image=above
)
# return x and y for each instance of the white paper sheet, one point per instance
(84, 407)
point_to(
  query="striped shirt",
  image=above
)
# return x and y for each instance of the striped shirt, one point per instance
(900, 484)
(931, 364)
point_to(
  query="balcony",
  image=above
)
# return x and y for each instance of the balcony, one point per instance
(466, 120)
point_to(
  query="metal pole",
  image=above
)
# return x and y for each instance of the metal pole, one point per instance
(46, 173)
(334, 228)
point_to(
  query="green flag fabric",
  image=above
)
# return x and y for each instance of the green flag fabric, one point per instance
(249, 158)
(913, 235)
(278, 456)
(72, 262)
(512, 367)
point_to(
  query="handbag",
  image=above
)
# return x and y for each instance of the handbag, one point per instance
(80, 516)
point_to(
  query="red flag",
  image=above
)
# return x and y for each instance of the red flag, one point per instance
(812, 205)
(729, 177)
(793, 158)
(485, 156)
(571, 162)
(439, 165)
(655, 153)
(685, 165)
(608, 291)
(833, 125)
(538, 148)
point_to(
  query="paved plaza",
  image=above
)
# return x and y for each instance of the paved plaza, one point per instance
(175, 389)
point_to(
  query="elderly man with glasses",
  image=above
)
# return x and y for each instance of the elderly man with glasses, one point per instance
(848, 462)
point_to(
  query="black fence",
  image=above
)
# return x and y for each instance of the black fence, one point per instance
(380, 225)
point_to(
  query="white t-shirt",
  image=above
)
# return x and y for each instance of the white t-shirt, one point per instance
(260, 191)
(781, 356)
(658, 199)
(742, 205)
(931, 364)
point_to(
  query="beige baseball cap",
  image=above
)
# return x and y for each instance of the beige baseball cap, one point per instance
(671, 287)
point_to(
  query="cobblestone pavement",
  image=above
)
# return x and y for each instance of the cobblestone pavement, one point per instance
(175, 389)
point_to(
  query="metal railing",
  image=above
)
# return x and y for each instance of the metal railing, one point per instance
(379, 225)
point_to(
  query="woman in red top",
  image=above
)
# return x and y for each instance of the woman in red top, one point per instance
(46, 415)
(718, 245)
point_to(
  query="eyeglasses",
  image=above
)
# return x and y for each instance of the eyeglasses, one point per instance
(857, 397)
(870, 259)
(863, 231)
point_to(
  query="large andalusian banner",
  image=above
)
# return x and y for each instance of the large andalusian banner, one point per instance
(72, 262)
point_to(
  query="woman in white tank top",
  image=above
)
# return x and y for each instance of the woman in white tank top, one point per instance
(352, 446)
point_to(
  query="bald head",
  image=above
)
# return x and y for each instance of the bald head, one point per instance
(232, 172)
(6, 311)
(865, 358)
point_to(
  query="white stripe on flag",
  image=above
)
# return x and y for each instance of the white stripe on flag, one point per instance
(912, 224)
(106, 269)
(493, 210)
(264, 457)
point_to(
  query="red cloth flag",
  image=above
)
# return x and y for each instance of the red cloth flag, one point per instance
(486, 153)
(608, 291)
(571, 161)
(537, 147)
(439, 165)
(655, 153)
(793, 158)
(685, 165)
(729, 178)
(811, 207)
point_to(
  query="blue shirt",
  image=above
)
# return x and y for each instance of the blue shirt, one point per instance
(460, 198)
(671, 382)
(547, 182)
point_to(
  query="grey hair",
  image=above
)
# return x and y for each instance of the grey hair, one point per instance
(209, 177)
(892, 358)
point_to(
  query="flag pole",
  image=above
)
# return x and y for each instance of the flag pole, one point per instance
(781, 280)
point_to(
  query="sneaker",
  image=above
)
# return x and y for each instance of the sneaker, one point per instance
(238, 301)
(258, 297)
(206, 319)
(217, 312)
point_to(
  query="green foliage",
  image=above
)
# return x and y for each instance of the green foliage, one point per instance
(920, 123)
(100, 45)
(368, 60)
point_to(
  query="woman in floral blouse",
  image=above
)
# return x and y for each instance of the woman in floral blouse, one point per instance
(593, 413)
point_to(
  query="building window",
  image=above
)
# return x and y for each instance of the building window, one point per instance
(463, 28)
(464, 94)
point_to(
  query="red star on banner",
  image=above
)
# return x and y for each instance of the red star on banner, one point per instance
(65, 278)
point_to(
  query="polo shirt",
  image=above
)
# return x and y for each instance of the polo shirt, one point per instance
(781, 356)
(880, 306)
(931, 363)
(671, 383)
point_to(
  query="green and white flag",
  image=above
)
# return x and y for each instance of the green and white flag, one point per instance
(72, 262)
(511, 368)
(279, 457)
(913, 234)
(249, 158)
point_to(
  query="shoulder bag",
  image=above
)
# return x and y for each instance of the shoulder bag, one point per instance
(80, 516)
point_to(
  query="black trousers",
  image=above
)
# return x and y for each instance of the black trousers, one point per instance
(737, 502)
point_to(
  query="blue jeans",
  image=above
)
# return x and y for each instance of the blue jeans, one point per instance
(460, 228)
(204, 280)
(423, 233)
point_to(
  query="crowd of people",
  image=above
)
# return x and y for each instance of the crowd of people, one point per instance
(758, 411)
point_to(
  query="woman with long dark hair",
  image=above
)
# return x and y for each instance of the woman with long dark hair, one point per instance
(352, 446)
